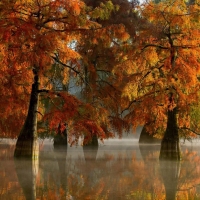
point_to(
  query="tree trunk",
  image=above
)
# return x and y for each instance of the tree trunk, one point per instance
(170, 146)
(93, 141)
(27, 140)
(90, 148)
(60, 138)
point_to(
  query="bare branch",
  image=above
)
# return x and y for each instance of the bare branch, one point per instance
(40, 113)
(64, 65)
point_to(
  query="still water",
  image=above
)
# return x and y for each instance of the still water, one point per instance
(117, 170)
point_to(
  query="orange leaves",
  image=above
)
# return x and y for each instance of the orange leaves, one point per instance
(63, 108)
(88, 128)
(119, 72)
(34, 34)
(66, 53)
(122, 34)
(30, 33)
(166, 60)
(76, 7)
(119, 125)
(171, 12)
(81, 119)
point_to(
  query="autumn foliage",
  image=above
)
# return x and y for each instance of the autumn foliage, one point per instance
(164, 64)
(36, 35)
(126, 59)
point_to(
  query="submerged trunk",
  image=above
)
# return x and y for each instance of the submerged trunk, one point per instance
(170, 146)
(27, 140)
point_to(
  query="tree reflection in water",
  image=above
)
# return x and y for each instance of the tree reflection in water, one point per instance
(170, 171)
(52, 179)
(9, 185)
(107, 174)
(26, 171)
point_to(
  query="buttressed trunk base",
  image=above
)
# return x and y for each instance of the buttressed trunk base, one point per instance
(170, 146)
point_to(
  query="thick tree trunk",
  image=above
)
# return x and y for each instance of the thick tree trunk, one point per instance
(170, 171)
(92, 142)
(146, 138)
(170, 146)
(27, 141)
(60, 138)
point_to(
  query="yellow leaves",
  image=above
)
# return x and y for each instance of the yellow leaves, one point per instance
(168, 13)
(161, 83)
(67, 54)
(131, 90)
(151, 56)
(184, 121)
(65, 76)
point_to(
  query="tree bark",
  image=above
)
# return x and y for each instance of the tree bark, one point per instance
(170, 146)
(27, 141)
(60, 138)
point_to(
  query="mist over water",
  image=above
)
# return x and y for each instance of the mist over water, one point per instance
(118, 169)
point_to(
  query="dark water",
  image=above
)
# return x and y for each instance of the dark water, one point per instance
(117, 170)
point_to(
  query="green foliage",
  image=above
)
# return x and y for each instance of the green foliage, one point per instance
(195, 117)
(103, 11)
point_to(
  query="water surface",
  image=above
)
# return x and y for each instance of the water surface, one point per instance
(117, 170)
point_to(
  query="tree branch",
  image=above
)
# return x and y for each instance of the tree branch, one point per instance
(43, 90)
(154, 45)
(64, 65)
(40, 113)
